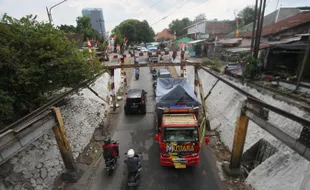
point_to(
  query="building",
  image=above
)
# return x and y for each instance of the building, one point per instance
(97, 19)
(164, 35)
(276, 16)
(210, 29)
(203, 31)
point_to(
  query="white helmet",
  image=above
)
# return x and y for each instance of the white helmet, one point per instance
(131, 153)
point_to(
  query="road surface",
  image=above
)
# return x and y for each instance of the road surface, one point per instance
(137, 132)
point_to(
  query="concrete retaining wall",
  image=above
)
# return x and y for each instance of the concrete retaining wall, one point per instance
(40, 163)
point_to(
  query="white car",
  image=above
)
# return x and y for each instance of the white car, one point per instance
(143, 49)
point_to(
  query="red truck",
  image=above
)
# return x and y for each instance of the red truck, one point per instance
(179, 135)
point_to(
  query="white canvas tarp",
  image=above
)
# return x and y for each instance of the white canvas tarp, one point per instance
(171, 91)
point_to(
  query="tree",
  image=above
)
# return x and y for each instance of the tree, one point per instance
(83, 26)
(177, 26)
(36, 60)
(246, 15)
(67, 28)
(200, 17)
(135, 31)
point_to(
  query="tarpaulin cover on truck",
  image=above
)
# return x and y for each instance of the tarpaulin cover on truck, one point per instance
(170, 91)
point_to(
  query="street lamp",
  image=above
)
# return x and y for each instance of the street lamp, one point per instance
(49, 11)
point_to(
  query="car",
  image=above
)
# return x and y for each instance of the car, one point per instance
(153, 57)
(233, 69)
(143, 49)
(135, 101)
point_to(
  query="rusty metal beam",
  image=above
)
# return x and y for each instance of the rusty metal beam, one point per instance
(233, 168)
(164, 64)
(284, 113)
(294, 144)
(63, 142)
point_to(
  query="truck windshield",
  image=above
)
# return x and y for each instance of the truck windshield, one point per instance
(180, 134)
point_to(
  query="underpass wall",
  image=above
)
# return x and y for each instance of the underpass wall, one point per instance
(40, 163)
(285, 169)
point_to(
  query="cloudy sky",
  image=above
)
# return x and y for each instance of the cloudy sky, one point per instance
(154, 11)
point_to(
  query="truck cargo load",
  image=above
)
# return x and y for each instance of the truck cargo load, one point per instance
(174, 91)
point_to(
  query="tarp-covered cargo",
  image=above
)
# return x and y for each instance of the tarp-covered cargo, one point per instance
(170, 91)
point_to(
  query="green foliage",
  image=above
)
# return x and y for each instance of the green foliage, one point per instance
(36, 59)
(67, 28)
(135, 30)
(216, 65)
(207, 61)
(83, 26)
(246, 15)
(178, 26)
(250, 64)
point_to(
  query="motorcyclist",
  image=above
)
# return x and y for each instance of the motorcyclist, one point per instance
(110, 149)
(137, 70)
(133, 161)
(136, 60)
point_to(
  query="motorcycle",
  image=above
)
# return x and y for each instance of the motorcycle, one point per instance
(137, 76)
(110, 165)
(110, 161)
(134, 177)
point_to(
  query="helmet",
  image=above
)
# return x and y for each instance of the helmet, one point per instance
(107, 140)
(131, 153)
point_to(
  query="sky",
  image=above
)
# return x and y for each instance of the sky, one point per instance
(158, 13)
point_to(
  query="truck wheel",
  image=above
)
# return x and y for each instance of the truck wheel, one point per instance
(144, 111)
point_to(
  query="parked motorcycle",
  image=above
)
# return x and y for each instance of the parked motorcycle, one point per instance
(134, 177)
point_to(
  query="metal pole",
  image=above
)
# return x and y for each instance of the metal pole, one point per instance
(49, 12)
(253, 30)
(261, 27)
(49, 16)
(304, 61)
(257, 30)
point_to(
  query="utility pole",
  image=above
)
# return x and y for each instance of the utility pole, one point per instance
(304, 61)
(100, 21)
(256, 46)
(253, 30)
(49, 11)
(260, 28)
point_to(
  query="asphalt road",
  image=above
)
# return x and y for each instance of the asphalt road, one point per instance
(137, 132)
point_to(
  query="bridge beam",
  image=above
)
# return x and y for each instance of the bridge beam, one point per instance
(233, 168)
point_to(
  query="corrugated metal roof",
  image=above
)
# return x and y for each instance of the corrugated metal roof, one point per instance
(284, 41)
(230, 41)
(285, 24)
(196, 41)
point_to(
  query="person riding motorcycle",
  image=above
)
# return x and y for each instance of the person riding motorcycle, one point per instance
(110, 149)
(133, 161)
(137, 70)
